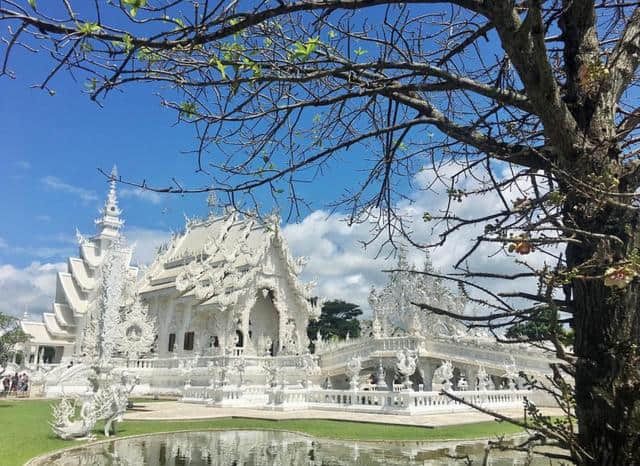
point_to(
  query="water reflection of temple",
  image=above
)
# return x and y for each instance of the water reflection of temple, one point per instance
(273, 448)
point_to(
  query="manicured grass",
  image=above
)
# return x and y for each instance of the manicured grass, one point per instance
(25, 432)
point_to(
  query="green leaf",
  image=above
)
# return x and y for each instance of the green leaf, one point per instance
(188, 109)
(32, 3)
(127, 40)
(179, 22)
(88, 28)
(135, 5)
(302, 51)
(360, 51)
(332, 34)
(218, 64)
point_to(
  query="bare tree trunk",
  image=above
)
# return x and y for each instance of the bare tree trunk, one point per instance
(607, 335)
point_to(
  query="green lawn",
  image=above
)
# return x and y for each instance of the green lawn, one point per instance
(25, 433)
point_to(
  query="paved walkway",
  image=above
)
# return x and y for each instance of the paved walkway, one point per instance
(173, 410)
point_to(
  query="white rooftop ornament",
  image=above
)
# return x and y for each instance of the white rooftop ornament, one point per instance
(393, 306)
(109, 223)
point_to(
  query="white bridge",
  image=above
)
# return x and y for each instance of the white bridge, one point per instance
(479, 375)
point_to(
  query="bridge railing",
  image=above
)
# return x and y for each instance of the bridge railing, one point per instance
(336, 355)
(409, 402)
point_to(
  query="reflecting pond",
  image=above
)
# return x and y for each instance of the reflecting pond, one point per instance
(273, 448)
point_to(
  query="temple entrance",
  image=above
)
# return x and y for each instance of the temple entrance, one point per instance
(264, 324)
(48, 355)
(239, 339)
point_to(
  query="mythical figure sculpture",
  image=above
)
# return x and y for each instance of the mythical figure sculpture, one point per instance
(239, 366)
(376, 327)
(272, 370)
(310, 368)
(443, 375)
(406, 363)
(353, 370)
(484, 381)
(108, 403)
(511, 372)
(290, 338)
(67, 428)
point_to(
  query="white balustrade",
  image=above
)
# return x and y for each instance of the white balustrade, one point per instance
(396, 402)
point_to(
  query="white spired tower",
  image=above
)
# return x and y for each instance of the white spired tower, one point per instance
(54, 339)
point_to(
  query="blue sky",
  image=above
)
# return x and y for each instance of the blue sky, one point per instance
(52, 147)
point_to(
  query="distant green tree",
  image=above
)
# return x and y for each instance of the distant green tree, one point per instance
(10, 334)
(336, 320)
(542, 327)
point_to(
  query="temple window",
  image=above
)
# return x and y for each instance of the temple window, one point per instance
(172, 342)
(188, 341)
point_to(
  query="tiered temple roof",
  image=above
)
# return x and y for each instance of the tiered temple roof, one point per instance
(218, 259)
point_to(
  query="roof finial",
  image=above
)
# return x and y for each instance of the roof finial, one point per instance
(110, 223)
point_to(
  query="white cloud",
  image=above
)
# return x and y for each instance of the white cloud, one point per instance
(337, 260)
(146, 243)
(30, 288)
(142, 194)
(345, 271)
(57, 184)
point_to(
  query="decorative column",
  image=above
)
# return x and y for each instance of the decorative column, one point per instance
(426, 369)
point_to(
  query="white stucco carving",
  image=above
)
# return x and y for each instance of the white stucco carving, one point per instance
(444, 374)
(353, 368)
(406, 361)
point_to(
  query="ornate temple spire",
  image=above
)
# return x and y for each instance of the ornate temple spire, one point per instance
(109, 224)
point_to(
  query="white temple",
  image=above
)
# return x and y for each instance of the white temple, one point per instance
(227, 323)
(228, 283)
